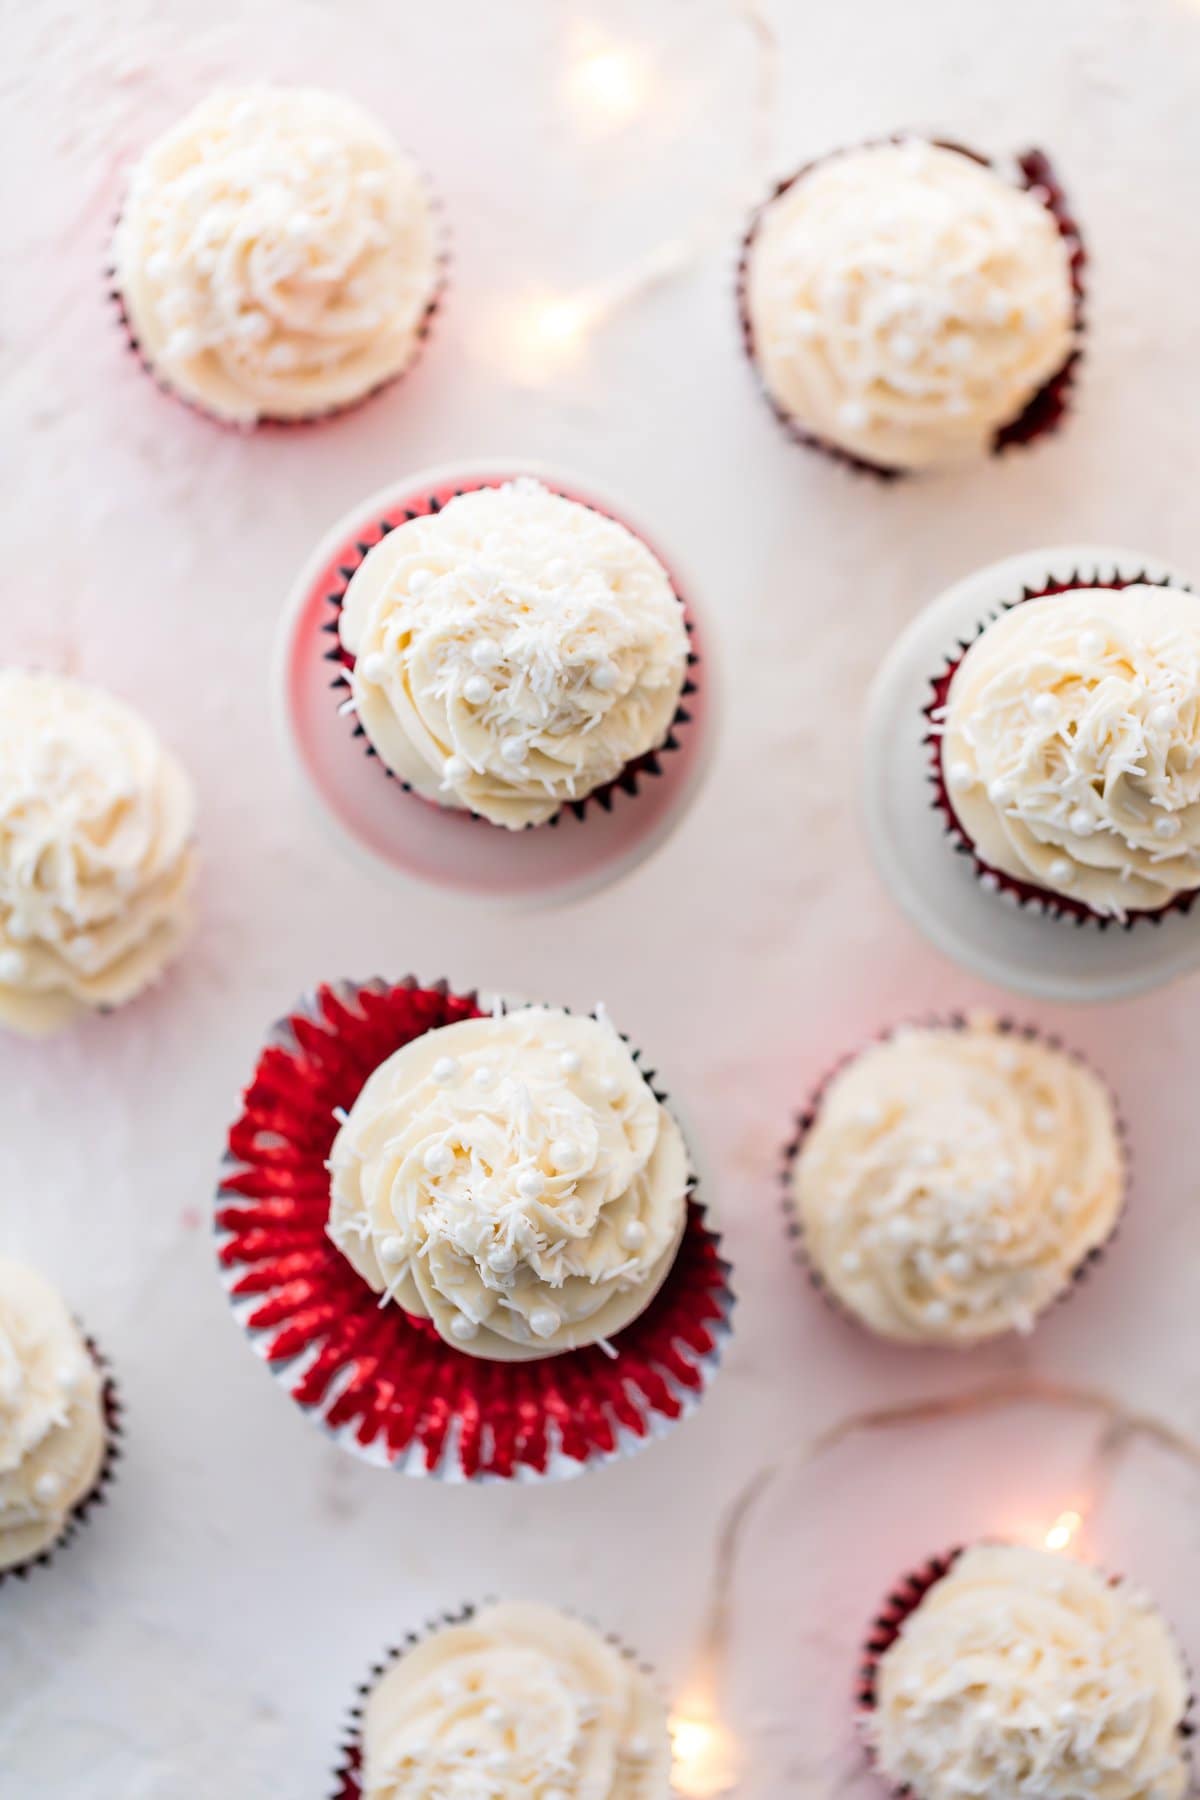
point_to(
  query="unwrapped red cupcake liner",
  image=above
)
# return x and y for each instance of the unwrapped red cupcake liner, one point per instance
(347, 1774)
(1048, 408)
(298, 421)
(1024, 894)
(97, 1494)
(807, 1118)
(381, 1383)
(899, 1606)
(420, 505)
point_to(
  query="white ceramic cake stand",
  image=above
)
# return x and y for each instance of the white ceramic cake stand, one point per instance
(399, 834)
(940, 891)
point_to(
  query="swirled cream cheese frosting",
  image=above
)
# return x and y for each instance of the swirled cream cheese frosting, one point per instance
(1071, 746)
(514, 651)
(276, 255)
(1022, 1675)
(954, 1180)
(520, 1703)
(513, 1179)
(52, 1429)
(96, 857)
(905, 302)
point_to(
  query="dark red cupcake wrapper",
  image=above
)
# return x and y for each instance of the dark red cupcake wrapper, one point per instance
(347, 1774)
(899, 1606)
(1048, 408)
(1023, 893)
(383, 1384)
(805, 1120)
(420, 505)
(298, 421)
(97, 1494)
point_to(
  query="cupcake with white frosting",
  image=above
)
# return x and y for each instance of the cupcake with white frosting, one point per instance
(1066, 750)
(507, 1271)
(97, 821)
(907, 306)
(512, 1700)
(513, 652)
(952, 1181)
(56, 1413)
(1023, 1675)
(277, 256)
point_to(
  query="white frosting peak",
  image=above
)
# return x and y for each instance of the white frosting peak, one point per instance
(496, 1197)
(96, 864)
(51, 1416)
(514, 651)
(953, 1181)
(276, 254)
(906, 302)
(521, 1703)
(1025, 1676)
(1073, 725)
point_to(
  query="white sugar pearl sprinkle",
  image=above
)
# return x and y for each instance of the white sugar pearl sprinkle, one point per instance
(936, 1312)
(1081, 822)
(853, 415)
(1062, 872)
(12, 965)
(1092, 643)
(1167, 827)
(47, 1488)
(438, 1159)
(564, 1153)
(544, 1322)
(633, 1234)
(484, 1076)
(477, 690)
(531, 1184)
(503, 1259)
(69, 1377)
(485, 654)
(570, 1062)
(999, 793)
(1162, 717)
(463, 1329)
(851, 1262)
(373, 667)
(446, 1069)
(1045, 707)
(420, 581)
(961, 775)
(392, 1250)
(604, 677)
(456, 768)
(513, 750)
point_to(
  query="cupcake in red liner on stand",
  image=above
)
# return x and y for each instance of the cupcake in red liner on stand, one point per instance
(59, 1423)
(469, 1244)
(907, 306)
(954, 1180)
(1014, 1671)
(510, 651)
(536, 1698)
(278, 258)
(1065, 749)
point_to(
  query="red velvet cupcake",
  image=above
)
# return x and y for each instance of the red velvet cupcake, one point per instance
(1034, 1668)
(1061, 740)
(277, 259)
(906, 306)
(511, 651)
(468, 1244)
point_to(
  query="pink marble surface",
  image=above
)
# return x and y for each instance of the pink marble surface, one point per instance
(204, 1637)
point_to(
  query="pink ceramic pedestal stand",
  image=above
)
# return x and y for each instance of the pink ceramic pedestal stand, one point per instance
(401, 834)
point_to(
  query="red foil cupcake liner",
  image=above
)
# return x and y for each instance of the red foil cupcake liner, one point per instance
(381, 1383)
(347, 1775)
(97, 1494)
(299, 421)
(1023, 893)
(421, 505)
(805, 1120)
(1048, 408)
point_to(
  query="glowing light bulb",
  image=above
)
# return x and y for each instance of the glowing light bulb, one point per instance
(1063, 1530)
(606, 84)
(534, 337)
(702, 1765)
